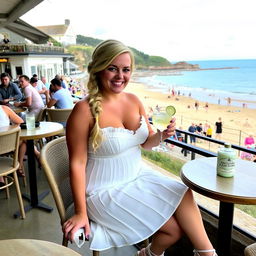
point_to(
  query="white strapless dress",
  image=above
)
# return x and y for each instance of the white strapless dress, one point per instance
(126, 202)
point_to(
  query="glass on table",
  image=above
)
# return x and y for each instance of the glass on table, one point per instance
(30, 121)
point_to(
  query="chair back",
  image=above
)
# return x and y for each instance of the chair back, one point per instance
(58, 115)
(9, 141)
(250, 250)
(55, 162)
(41, 115)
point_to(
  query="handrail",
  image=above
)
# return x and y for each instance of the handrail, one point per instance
(220, 142)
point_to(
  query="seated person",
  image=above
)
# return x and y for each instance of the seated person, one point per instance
(7, 116)
(60, 98)
(40, 87)
(249, 143)
(45, 83)
(33, 100)
(8, 91)
(249, 140)
(34, 103)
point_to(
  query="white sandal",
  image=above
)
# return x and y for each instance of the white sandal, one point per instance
(147, 252)
(197, 252)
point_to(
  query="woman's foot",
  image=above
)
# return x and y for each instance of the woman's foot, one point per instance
(142, 252)
(20, 172)
(210, 252)
(147, 252)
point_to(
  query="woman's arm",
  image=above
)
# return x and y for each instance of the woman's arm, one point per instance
(78, 130)
(154, 138)
(12, 115)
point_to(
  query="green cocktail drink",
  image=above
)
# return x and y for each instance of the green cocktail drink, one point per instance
(162, 119)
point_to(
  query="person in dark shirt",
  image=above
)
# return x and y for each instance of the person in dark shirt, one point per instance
(8, 91)
(218, 131)
(192, 129)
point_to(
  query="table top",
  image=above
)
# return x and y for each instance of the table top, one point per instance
(201, 176)
(31, 247)
(8, 127)
(17, 109)
(46, 129)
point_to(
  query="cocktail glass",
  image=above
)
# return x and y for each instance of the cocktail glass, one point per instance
(161, 120)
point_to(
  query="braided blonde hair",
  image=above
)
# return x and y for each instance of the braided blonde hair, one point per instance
(102, 56)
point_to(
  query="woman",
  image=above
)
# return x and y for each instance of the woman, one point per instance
(249, 143)
(6, 116)
(218, 131)
(125, 202)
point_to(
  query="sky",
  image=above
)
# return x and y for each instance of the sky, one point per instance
(179, 30)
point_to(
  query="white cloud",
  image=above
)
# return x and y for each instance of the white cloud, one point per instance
(178, 30)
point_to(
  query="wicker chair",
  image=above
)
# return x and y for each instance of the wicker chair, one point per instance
(54, 158)
(250, 250)
(58, 115)
(41, 115)
(9, 141)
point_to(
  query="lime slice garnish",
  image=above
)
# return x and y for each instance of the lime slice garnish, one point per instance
(170, 110)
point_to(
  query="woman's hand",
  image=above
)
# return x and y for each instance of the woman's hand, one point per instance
(170, 131)
(70, 227)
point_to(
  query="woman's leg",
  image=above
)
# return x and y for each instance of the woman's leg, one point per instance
(189, 219)
(166, 236)
(22, 152)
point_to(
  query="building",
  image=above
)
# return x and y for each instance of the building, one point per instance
(23, 57)
(64, 33)
(28, 51)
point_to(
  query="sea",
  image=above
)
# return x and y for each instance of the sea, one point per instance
(218, 80)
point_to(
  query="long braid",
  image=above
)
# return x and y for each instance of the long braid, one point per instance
(95, 106)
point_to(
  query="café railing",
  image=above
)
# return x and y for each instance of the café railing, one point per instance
(30, 48)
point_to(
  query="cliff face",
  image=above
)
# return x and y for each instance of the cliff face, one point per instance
(179, 65)
(85, 46)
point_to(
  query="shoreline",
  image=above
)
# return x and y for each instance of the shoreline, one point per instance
(239, 100)
(237, 121)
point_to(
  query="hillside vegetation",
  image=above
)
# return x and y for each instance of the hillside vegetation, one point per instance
(84, 47)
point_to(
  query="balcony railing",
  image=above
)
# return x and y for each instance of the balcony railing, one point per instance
(30, 48)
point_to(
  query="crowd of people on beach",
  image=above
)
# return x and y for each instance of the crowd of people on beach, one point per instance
(209, 130)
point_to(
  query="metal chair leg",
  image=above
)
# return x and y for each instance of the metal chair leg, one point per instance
(95, 253)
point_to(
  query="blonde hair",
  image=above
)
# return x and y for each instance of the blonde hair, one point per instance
(102, 56)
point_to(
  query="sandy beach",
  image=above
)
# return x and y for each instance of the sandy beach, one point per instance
(236, 121)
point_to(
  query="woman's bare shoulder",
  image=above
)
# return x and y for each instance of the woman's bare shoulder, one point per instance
(82, 105)
(81, 111)
(132, 97)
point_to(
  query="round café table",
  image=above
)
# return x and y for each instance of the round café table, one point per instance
(201, 176)
(31, 247)
(46, 129)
